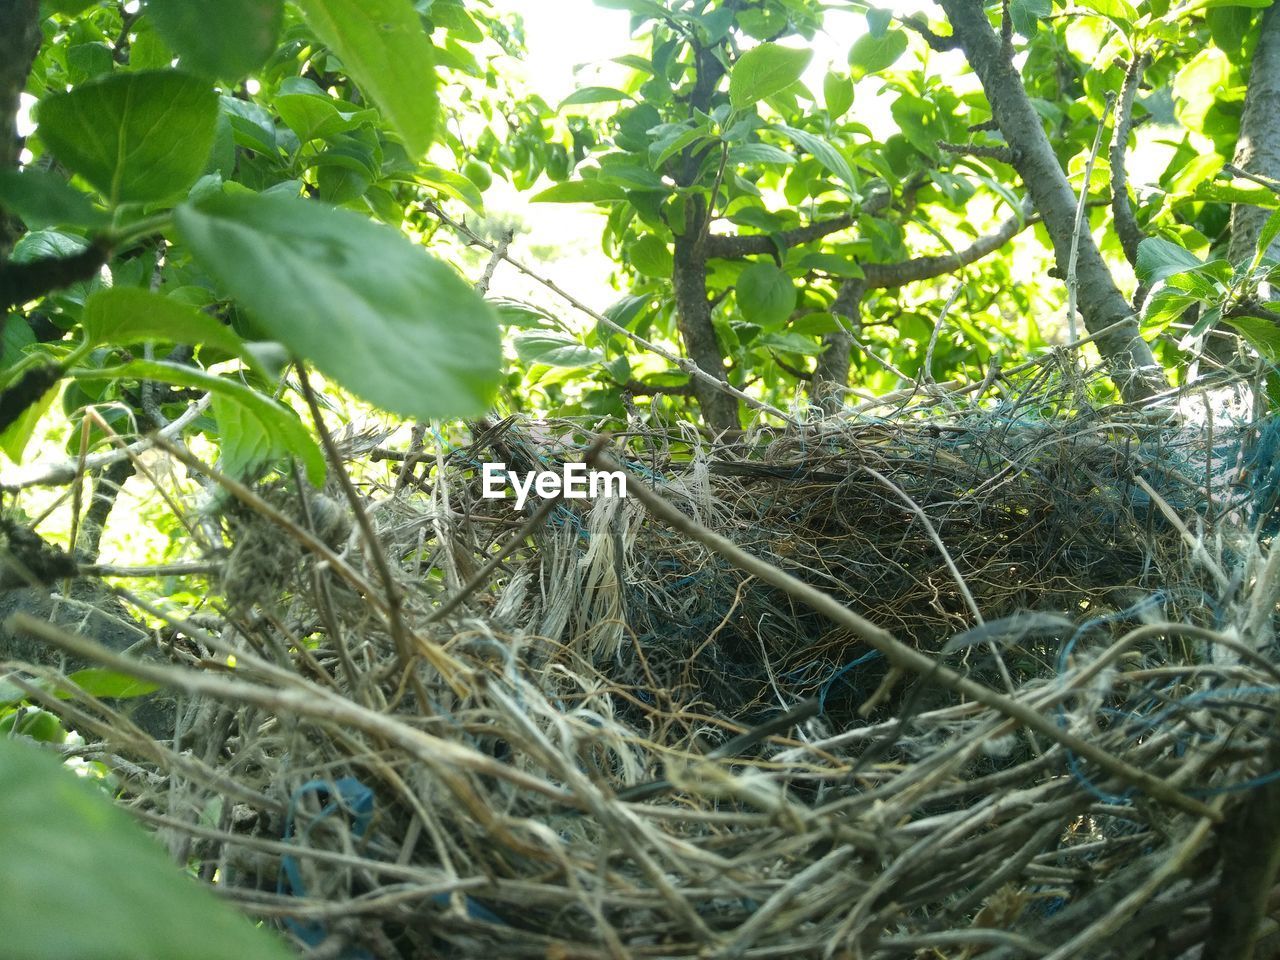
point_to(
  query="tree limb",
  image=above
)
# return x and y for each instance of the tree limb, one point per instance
(20, 282)
(891, 275)
(1127, 228)
(1132, 364)
(19, 42)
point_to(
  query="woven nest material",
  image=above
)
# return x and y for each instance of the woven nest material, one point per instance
(617, 743)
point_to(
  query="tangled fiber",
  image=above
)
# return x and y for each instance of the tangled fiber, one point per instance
(577, 730)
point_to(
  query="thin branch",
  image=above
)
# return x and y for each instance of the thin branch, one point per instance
(1073, 281)
(936, 41)
(890, 275)
(991, 151)
(1127, 228)
(63, 472)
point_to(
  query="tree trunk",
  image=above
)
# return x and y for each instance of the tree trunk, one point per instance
(1258, 148)
(693, 317)
(19, 41)
(831, 375)
(1129, 358)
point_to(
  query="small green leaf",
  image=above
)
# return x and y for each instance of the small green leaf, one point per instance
(1027, 15)
(594, 95)
(823, 152)
(218, 38)
(1266, 237)
(766, 295)
(1262, 334)
(871, 54)
(553, 349)
(651, 257)
(387, 52)
(1158, 259)
(43, 199)
(582, 191)
(64, 842)
(451, 184)
(1118, 10)
(759, 153)
(837, 91)
(98, 682)
(273, 419)
(365, 305)
(763, 71)
(125, 315)
(16, 436)
(135, 136)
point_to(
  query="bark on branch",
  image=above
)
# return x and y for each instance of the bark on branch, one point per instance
(19, 41)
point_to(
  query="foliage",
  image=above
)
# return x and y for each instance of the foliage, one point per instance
(65, 845)
(214, 192)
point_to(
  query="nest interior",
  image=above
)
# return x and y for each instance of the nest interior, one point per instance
(577, 731)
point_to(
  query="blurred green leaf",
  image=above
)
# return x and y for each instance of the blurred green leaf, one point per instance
(218, 38)
(64, 844)
(386, 51)
(356, 298)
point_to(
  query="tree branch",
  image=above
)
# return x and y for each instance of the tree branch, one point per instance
(722, 247)
(936, 41)
(20, 282)
(890, 275)
(1127, 228)
(19, 42)
(1103, 306)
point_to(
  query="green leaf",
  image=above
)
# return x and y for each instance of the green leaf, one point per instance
(1158, 259)
(245, 443)
(766, 295)
(790, 343)
(317, 116)
(135, 136)
(581, 191)
(218, 38)
(878, 21)
(1027, 15)
(666, 147)
(1119, 10)
(763, 71)
(594, 95)
(98, 682)
(871, 54)
(553, 349)
(1266, 237)
(16, 436)
(650, 256)
(451, 184)
(271, 418)
(386, 51)
(823, 152)
(43, 199)
(837, 91)
(1162, 308)
(759, 153)
(367, 307)
(1262, 334)
(125, 315)
(65, 843)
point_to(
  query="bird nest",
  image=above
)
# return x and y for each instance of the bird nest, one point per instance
(634, 727)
